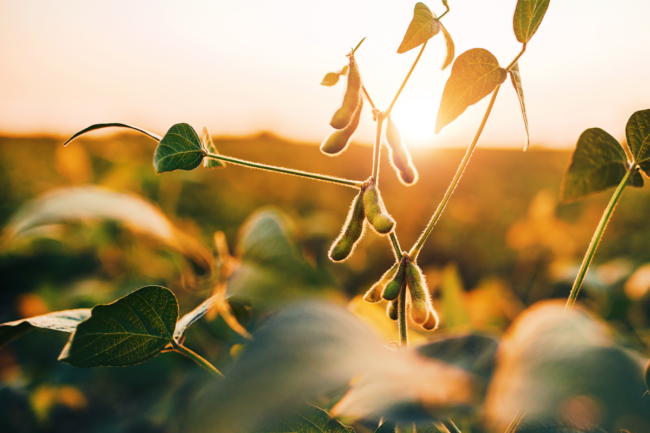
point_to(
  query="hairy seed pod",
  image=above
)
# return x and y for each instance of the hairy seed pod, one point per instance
(400, 157)
(343, 115)
(419, 293)
(396, 285)
(338, 141)
(432, 321)
(374, 294)
(376, 213)
(352, 232)
(392, 309)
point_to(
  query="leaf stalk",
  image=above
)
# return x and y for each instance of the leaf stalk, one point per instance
(589, 256)
(196, 358)
(377, 148)
(516, 59)
(417, 59)
(341, 181)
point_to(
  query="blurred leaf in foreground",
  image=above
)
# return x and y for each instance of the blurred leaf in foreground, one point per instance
(64, 321)
(311, 420)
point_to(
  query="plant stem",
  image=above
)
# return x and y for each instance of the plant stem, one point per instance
(510, 66)
(417, 59)
(594, 243)
(347, 182)
(365, 92)
(196, 358)
(377, 148)
(402, 322)
(395, 245)
(443, 14)
(459, 173)
(449, 424)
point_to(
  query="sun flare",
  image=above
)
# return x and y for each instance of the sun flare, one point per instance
(416, 118)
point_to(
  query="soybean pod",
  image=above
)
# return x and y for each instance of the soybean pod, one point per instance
(352, 232)
(392, 309)
(338, 141)
(419, 293)
(396, 285)
(374, 294)
(376, 213)
(400, 157)
(344, 115)
(433, 320)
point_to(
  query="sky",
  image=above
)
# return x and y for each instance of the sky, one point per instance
(240, 68)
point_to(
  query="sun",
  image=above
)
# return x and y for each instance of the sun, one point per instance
(416, 118)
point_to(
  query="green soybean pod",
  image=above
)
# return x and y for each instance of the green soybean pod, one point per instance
(351, 233)
(343, 115)
(374, 294)
(400, 157)
(391, 310)
(376, 213)
(419, 293)
(396, 285)
(338, 141)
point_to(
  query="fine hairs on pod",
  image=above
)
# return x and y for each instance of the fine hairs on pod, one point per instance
(399, 155)
(338, 141)
(352, 232)
(376, 213)
(396, 285)
(343, 115)
(419, 293)
(374, 294)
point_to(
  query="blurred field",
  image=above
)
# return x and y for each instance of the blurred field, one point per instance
(502, 244)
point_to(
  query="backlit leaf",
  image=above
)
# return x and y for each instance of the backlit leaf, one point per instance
(598, 163)
(637, 132)
(312, 420)
(209, 147)
(515, 77)
(451, 48)
(423, 27)
(64, 321)
(179, 149)
(109, 125)
(475, 74)
(331, 78)
(126, 332)
(528, 17)
(344, 70)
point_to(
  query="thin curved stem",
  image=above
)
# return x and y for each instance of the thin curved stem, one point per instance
(512, 64)
(196, 358)
(365, 92)
(459, 173)
(594, 243)
(346, 182)
(417, 59)
(376, 153)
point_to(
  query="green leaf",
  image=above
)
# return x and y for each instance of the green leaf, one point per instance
(312, 420)
(637, 132)
(423, 27)
(126, 332)
(528, 17)
(108, 125)
(344, 70)
(598, 163)
(180, 149)
(475, 74)
(187, 320)
(451, 48)
(331, 78)
(209, 147)
(64, 321)
(515, 77)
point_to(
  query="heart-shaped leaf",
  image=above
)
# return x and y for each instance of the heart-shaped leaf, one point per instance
(64, 321)
(209, 147)
(515, 77)
(598, 163)
(475, 74)
(451, 48)
(109, 125)
(637, 132)
(528, 17)
(179, 149)
(423, 27)
(126, 332)
(312, 420)
(331, 78)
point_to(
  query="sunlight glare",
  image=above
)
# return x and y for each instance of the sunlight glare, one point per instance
(416, 119)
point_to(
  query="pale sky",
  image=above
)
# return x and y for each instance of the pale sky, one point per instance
(240, 67)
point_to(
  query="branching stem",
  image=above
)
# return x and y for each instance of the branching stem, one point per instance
(346, 182)
(594, 243)
(196, 358)
(512, 64)
(459, 173)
